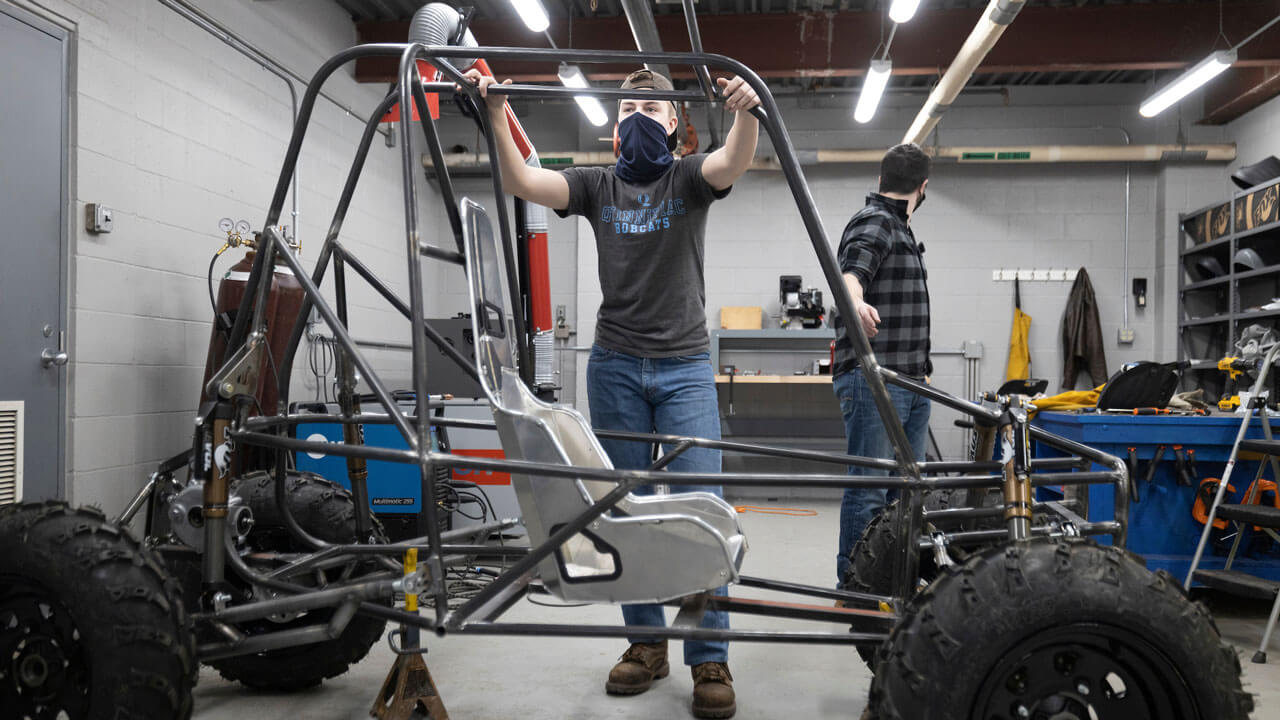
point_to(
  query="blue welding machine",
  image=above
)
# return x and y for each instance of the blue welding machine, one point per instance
(395, 489)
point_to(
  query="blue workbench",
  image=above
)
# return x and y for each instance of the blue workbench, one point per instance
(1161, 528)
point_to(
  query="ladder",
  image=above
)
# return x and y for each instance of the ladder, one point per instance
(1248, 513)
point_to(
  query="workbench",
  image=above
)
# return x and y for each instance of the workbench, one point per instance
(1161, 528)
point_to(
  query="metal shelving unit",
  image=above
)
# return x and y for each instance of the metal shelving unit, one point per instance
(770, 340)
(1212, 312)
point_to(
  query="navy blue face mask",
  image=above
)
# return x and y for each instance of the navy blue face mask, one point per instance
(642, 149)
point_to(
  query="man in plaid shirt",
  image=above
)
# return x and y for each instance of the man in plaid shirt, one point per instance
(884, 270)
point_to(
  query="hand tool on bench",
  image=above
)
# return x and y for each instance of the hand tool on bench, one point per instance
(1180, 472)
(1133, 474)
(1155, 462)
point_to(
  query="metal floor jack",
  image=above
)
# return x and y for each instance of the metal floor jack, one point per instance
(1247, 513)
(409, 692)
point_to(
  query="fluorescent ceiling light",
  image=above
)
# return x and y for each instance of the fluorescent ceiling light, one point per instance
(873, 85)
(532, 13)
(571, 77)
(1201, 73)
(903, 10)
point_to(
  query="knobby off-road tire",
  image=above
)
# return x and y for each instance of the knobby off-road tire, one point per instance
(1056, 628)
(91, 627)
(325, 510)
(871, 560)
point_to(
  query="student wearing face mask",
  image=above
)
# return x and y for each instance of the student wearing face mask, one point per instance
(649, 369)
(883, 267)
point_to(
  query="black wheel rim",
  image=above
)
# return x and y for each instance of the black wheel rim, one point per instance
(43, 672)
(1084, 672)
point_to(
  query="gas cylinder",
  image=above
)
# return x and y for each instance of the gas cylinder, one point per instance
(284, 303)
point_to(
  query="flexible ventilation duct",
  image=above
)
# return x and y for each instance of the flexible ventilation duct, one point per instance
(437, 24)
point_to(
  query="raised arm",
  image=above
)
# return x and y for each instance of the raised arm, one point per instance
(723, 167)
(533, 184)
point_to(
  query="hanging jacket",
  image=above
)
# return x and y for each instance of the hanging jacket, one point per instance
(1082, 348)
(1019, 364)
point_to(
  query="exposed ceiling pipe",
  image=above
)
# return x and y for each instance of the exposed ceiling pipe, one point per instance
(1011, 155)
(645, 31)
(982, 38)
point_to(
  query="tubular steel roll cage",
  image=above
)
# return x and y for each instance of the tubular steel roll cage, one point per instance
(228, 416)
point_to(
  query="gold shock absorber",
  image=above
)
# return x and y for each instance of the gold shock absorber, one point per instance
(353, 434)
(410, 567)
(1015, 441)
(1017, 486)
(215, 487)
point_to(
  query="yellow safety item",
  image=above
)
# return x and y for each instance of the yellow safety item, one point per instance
(410, 567)
(1069, 400)
(1019, 365)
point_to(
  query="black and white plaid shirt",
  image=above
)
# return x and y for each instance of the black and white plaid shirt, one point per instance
(880, 250)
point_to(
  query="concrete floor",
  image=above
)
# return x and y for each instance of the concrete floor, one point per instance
(483, 678)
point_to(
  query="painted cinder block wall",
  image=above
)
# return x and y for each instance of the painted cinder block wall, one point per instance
(174, 130)
(977, 218)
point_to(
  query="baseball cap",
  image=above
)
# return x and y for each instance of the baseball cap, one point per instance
(646, 79)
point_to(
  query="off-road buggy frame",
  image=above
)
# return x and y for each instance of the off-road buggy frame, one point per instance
(1037, 625)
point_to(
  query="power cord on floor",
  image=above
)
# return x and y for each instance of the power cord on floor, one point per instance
(793, 512)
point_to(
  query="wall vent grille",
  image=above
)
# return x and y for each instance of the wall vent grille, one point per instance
(10, 452)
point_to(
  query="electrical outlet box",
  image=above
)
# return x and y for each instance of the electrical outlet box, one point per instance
(1125, 336)
(98, 218)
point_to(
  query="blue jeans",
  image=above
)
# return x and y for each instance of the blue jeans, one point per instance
(867, 438)
(674, 396)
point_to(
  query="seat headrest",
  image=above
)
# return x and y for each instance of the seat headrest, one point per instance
(488, 304)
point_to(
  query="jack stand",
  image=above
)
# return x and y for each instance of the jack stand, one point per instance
(409, 692)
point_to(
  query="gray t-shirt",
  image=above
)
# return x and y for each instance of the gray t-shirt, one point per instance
(650, 239)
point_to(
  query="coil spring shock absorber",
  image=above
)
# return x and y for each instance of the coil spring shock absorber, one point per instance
(1015, 455)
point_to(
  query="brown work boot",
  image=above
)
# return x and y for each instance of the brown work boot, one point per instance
(638, 667)
(713, 691)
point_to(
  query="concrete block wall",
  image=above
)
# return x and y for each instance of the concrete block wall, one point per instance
(977, 218)
(174, 129)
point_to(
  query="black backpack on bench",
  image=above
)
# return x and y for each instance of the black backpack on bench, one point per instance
(1141, 384)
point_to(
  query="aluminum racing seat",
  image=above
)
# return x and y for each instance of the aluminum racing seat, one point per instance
(649, 548)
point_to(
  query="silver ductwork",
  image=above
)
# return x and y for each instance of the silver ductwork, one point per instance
(994, 21)
(438, 24)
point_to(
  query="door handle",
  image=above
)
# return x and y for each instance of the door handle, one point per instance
(49, 357)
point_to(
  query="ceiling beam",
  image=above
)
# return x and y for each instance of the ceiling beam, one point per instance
(1155, 36)
(1238, 91)
(816, 44)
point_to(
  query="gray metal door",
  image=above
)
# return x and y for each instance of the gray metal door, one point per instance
(33, 112)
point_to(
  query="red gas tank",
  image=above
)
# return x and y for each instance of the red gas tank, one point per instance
(284, 303)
